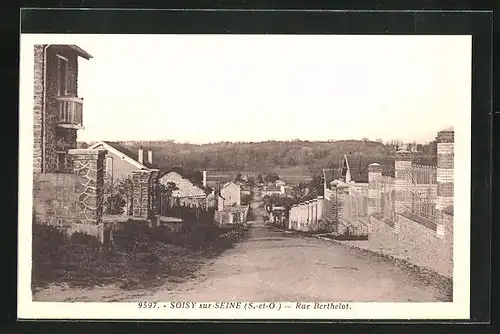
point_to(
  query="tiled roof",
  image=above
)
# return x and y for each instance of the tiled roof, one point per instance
(272, 188)
(358, 166)
(229, 183)
(207, 190)
(131, 154)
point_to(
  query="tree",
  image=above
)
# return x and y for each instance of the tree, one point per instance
(260, 179)
(118, 195)
(238, 177)
(271, 177)
(246, 199)
(316, 186)
(167, 190)
(250, 181)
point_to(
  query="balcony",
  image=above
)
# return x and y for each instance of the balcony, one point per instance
(70, 111)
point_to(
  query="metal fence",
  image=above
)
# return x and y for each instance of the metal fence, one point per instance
(353, 213)
(421, 192)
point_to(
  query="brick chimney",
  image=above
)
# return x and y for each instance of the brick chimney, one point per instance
(140, 155)
(150, 156)
(204, 178)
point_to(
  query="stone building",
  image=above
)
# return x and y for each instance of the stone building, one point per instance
(68, 183)
(57, 109)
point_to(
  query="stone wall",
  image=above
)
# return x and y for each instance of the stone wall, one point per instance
(55, 198)
(414, 243)
(48, 140)
(141, 194)
(445, 169)
(308, 215)
(73, 201)
(37, 107)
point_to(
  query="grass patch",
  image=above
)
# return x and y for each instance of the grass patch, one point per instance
(140, 257)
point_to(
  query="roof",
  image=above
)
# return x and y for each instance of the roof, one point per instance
(229, 183)
(129, 153)
(79, 51)
(195, 183)
(82, 53)
(358, 166)
(272, 188)
(425, 160)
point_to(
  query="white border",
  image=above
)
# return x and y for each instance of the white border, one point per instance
(27, 309)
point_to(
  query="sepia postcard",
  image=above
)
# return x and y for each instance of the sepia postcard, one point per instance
(244, 176)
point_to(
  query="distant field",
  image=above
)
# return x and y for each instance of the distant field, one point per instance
(289, 175)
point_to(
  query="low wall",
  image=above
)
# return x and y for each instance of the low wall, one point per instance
(227, 216)
(56, 203)
(414, 242)
(55, 198)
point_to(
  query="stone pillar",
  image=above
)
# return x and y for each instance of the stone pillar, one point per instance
(320, 207)
(141, 194)
(343, 198)
(403, 183)
(88, 165)
(308, 215)
(301, 215)
(314, 211)
(374, 191)
(155, 196)
(445, 167)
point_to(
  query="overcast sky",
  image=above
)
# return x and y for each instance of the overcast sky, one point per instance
(206, 88)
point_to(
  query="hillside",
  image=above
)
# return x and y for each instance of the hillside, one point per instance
(288, 158)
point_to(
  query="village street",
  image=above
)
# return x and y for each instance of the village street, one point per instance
(273, 265)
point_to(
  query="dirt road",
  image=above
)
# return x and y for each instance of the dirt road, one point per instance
(279, 266)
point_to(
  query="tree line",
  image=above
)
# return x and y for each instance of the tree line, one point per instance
(264, 156)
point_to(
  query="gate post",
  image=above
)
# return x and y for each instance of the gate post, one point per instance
(402, 165)
(141, 194)
(89, 166)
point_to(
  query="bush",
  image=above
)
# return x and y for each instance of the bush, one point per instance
(141, 256)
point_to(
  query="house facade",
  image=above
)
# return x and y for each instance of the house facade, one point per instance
(273, 190)
(57, 109)
(121, 162)
(231, 192)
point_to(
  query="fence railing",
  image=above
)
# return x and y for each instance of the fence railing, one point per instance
(70, 110)
(421, 192)
(387, 201)
(418, 194)
(188, 214)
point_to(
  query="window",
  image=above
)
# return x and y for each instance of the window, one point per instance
(109, 166)
(62, 75)
(62, 162)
